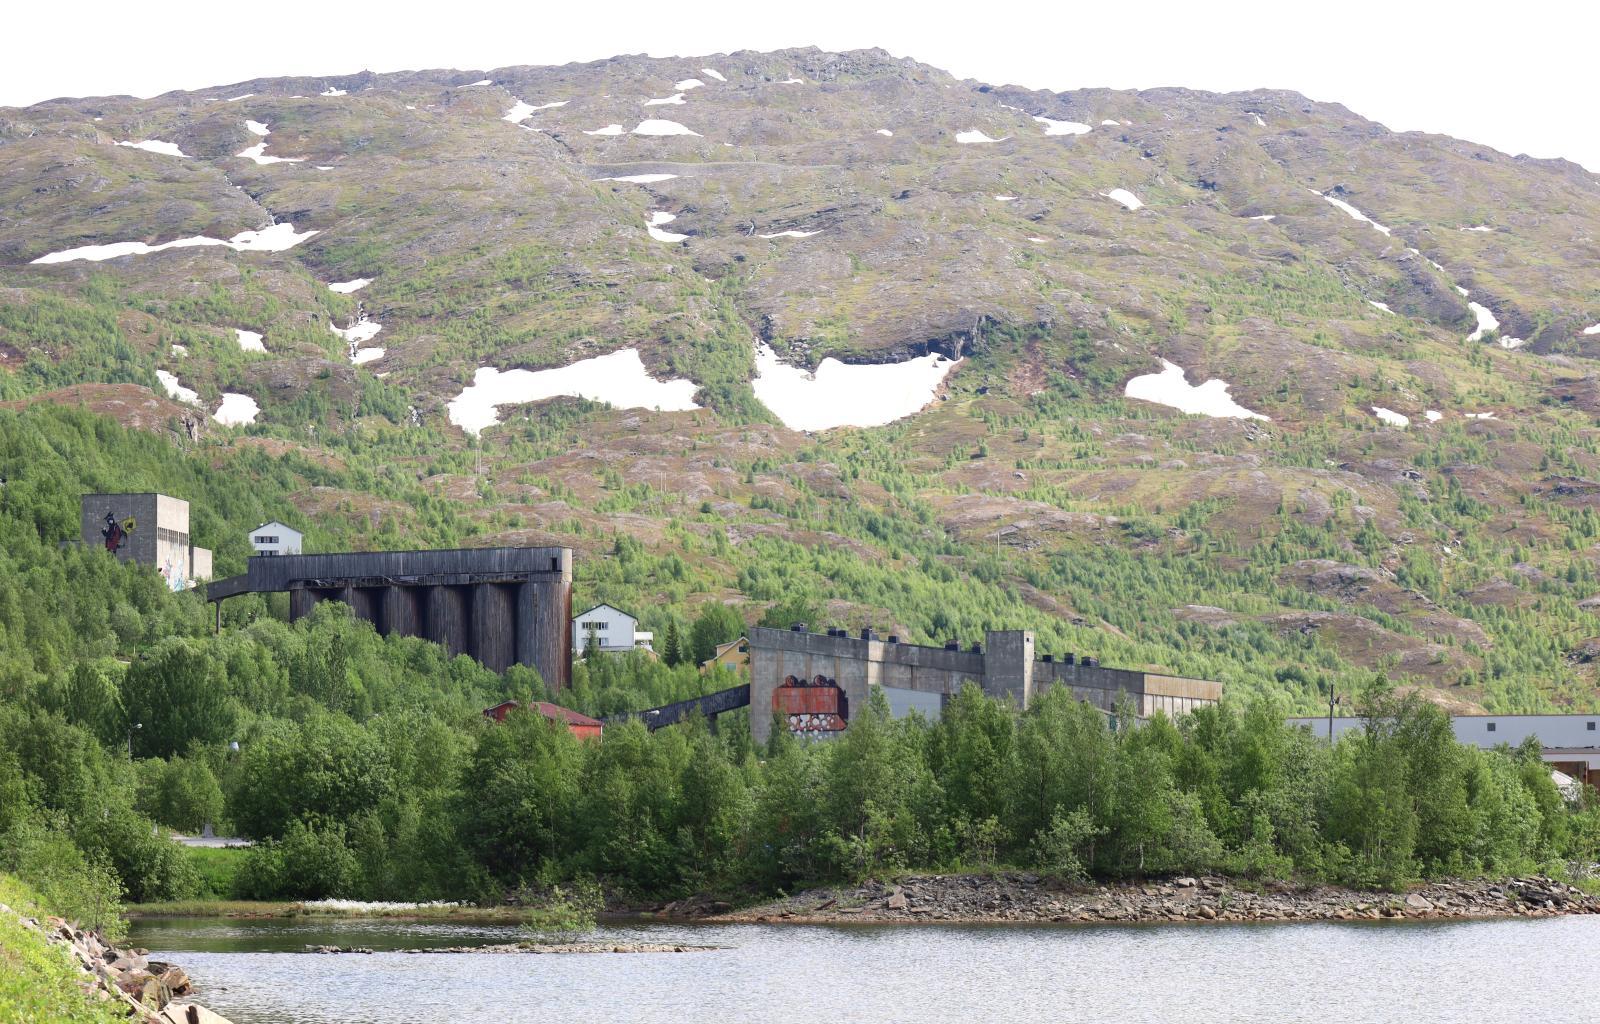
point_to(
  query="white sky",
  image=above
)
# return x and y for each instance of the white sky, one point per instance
(1521, 77)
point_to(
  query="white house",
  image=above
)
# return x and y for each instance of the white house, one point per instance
(613, 629)
(275, 538)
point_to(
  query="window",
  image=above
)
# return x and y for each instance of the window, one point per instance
(266, 540)
(597, 626)
(1491, 727)
(1589, 726)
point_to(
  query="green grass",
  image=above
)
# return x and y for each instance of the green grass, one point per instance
(38, 982)
(217, 868)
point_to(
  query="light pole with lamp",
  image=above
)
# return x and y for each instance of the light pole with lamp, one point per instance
(131, 730)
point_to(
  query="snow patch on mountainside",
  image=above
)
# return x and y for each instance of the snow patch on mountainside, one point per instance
(610, 129)
(258, 152)
(714, 74)
(1353, 212)
(1389, 416)
(791, 234)
(346, 287)
(847, 395)
(236, 410)
(522, 110)
(676, 99)
(640, 179)
(276, 238)
(659, 218)
(1171, 388)
(157, 146)
(176, 390)
(1434, 415)
(886, 133)
(1381, 305)
(249, 341)
(1054, 127)
(331, 91)
(687, 84)
(656, 127)
(1486, 320)
(619, 379)
(1124, 197)
(1592, 330)
(362, 330)
(973, 136)
(362, 356)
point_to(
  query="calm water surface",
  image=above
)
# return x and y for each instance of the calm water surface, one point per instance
(1501, 971)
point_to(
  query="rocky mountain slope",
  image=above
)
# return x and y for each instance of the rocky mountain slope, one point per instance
(1397, 477)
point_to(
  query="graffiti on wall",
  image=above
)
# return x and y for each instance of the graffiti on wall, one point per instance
(173, 571)
(116, 532)
(814, 708)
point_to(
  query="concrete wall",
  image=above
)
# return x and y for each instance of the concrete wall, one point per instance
(1005, 667)
(160, 537)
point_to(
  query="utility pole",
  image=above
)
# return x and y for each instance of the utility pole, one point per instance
(133, 729)
(1332, 693)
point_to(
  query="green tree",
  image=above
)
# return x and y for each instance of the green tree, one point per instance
(178, 697)
(716, 624)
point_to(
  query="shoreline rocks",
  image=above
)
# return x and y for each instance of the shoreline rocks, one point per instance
(147, 989)
(1018, 897)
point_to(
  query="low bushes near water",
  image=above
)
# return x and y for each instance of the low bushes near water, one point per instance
(564, 914)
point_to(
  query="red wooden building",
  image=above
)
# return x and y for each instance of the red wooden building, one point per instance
(581, 726)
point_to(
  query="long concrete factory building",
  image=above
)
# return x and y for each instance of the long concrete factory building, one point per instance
(502, 606)
(813, 680)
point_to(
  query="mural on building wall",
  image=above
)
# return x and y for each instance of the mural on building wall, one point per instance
(172, 569)
(116, 532)
(812, 708)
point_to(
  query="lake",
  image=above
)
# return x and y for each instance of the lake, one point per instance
(253, 972)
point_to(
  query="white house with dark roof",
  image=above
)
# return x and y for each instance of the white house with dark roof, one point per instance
(613, 629)
(275, 538)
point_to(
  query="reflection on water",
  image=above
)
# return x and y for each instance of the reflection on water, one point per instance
(1413, 973)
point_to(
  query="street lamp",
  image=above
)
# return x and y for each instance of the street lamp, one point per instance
(133, 729)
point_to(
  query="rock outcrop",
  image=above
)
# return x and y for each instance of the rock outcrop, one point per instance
(1025, 898)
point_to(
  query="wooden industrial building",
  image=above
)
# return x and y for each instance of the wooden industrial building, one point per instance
(502, 606)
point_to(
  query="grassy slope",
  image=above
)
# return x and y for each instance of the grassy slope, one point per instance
(38, 982)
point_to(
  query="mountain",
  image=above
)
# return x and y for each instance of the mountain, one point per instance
(1236, 385)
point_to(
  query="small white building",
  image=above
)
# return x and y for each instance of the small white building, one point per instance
(275, 538)
(613, 629)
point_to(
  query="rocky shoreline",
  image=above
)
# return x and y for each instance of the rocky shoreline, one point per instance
(538, 948)
(147, 989)
(1027, 898)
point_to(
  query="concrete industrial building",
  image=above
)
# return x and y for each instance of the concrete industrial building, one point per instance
(502, 606)
(1571, 743)
(814, 679)
(148, 529)
(276, 538)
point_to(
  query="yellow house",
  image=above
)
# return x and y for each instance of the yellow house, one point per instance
(734, 654)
